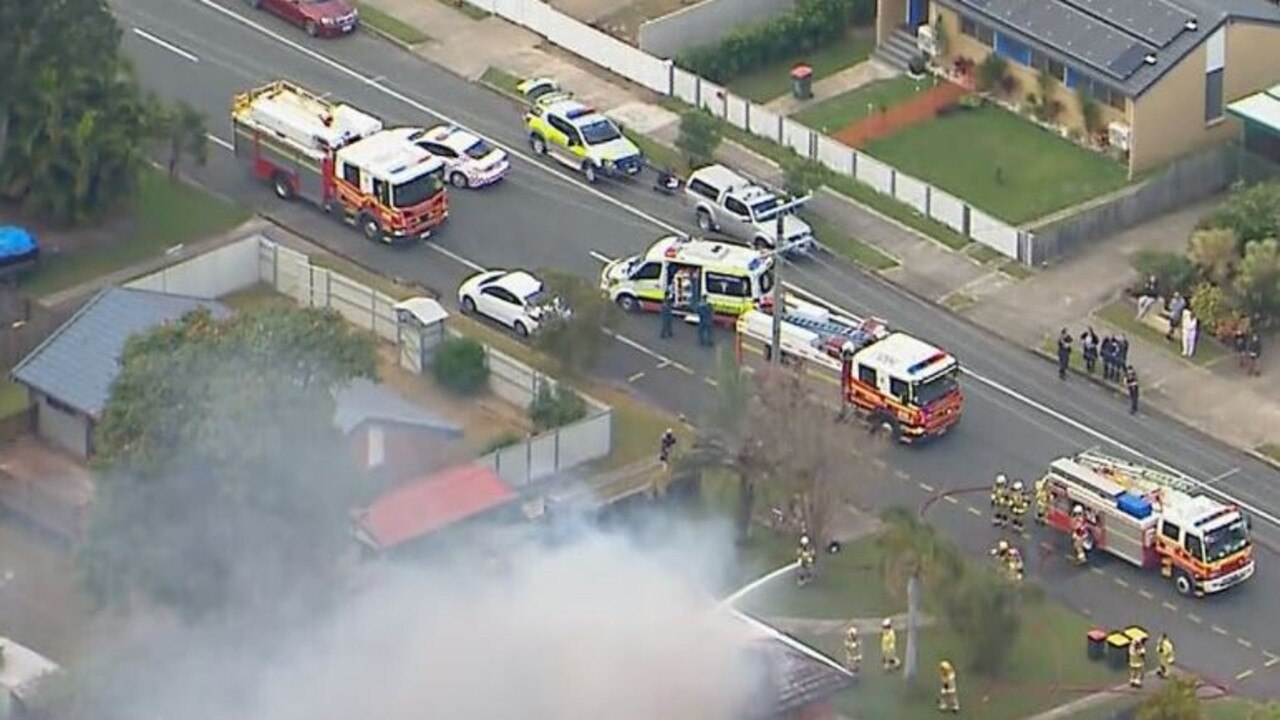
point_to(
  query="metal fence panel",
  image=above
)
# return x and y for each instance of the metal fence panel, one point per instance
(510, 379)
(834, 154)
(511, 463)
(603, 50)
(586, 440)
(736, 110)
(766, 124)
(713, 98)
(911, 191)
(543, 455)
(875, 173)
(994, 234)
(947, 209)
(798, 137)
(684, 85)
(220, 272)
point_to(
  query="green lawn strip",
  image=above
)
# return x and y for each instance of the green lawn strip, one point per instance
(984, 253)
(1271, 450)
(1120, 314)
(658, 154)
(393, 26)
(258, 296)
(13, 397)
(381, 283)
(868, 256)
(466, 8)
(501, 80)
(1109, 709)
(1235, 708)
(1016, 270)
(1000, 163)
(841, 111)
(166, 213)
(958, 301)
(774, 80)
(1047, 668)
(847, 585)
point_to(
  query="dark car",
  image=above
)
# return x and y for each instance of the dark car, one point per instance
(317, 17)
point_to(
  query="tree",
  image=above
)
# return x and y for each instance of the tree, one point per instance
(575, 338)
(912, 556)
(699, 137)
(1046, 82)
(1090, 113)
(978, 603)
(224, 482)
(1216, 251)
(73, 123)
(1258, 282)
(1175, 700)
(992, 72)
(183, 131)
(1252, 213)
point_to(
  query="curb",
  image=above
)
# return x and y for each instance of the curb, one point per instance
(387, 36)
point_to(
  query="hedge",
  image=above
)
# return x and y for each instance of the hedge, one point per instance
(813, 23)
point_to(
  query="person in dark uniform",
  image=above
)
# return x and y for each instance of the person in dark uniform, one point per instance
(1108, 352)
(667, 445)
(706, 323)
(1064, 353)
(668, 314)
(1089, 349)
(1131, 384)
(1122, 355)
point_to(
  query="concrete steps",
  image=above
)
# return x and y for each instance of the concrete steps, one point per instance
(898, 50)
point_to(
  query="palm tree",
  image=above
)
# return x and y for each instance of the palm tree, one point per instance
(182, 128)
(912, 554)
(1176, 700)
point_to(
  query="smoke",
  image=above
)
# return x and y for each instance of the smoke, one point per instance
(617, 625)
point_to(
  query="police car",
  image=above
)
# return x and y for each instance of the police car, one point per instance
(577, 135)
(516, 299)
(470, 161)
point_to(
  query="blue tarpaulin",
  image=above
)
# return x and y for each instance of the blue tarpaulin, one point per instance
(16, 242)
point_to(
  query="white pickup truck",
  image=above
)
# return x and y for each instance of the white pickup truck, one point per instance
(726, 202)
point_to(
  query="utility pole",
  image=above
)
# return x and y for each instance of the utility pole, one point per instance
(780, 247)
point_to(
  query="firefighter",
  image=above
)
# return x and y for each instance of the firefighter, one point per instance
(1137, 662)
(1079, 536)
(1000, 551)
(1013, 565)
(1018, 506)
(805, 556)
(668, 444)
(1042, 500)
(1000, 501)
(1164, 655)
(948, 700)
(852, 650)
(889, 646)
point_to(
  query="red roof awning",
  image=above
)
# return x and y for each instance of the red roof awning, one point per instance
(426, 505)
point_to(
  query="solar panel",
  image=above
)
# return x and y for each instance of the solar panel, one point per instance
(1128, 62)
(1095, 43)
(1154, 21)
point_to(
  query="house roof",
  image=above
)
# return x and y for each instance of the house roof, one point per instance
(800, 674)
(1262, 108)
(364, 401)
(421, 507)
(22, 667)
(78, 362)
(1112, 41)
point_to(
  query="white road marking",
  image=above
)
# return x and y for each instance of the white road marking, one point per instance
(636, 377)
(1121, 582)
(1219, 629)
(604, 259)
(974, 511)
(1169, 606)
(951, 500)
(710, 381)
(1097, 571)
(1223, 476)
(456, 257)
(1245, 674)
(166, 45)
(1272, 660)
(1146, 595)
(1194, 618)
(1244, 643)
(666, 361)
(220, 142)
(926, 487)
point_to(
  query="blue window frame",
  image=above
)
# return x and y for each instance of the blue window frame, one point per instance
(1075, 79)
(1012, 49)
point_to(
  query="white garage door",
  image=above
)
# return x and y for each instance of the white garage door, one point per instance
(62, 428)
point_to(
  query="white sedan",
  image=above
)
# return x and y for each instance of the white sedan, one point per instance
(470, 161)
(516, 299)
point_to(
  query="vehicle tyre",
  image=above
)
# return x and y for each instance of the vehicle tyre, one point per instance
(538, 144)
(459, 180)
(589, 171)
(282, 186)
(1183, 584)
(704, 222)
(628, 303)
(370, 227)
(521, 329)
(311, 28)
(468, 305)
(885, 426)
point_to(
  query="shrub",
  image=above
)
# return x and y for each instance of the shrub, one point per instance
(977, 605)
(460, 365)
(1258, 282)
(556, 408)
(1216, 252)
(1175, 272)
(1252, 213)
(699, 137)
(1091, 112)
(576, 338)
(506, 439)
(1214, 309)
(992, 72)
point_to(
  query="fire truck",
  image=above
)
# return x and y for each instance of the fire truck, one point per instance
(1152, 519)
(340, 159)
(902, 385)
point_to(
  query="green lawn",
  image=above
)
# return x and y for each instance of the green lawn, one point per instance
(841, 242)
(500, 80)
(1120, 314)
(166, 214)
(1218, 708)
(13, 397)
(658, 154)
(841, 111)
(847, 585)
(1271, 450)
(1001, 163)
(388, 25)
(774, 81)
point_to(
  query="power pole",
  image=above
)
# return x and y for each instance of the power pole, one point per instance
(780, 247)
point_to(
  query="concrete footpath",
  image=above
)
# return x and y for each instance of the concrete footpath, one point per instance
(1215, 398)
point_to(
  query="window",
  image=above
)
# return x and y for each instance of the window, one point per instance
(502, 294)
(351, 174)
(377, 446)
(737, 207)
(648, 271)
(703, 189)
(1058, 71)
(986, 35)
(1193, 546)
(1171, 531)
(899, 389)
(1039, 60)
(1213, 95)
(731, 285)
(1012, 49)
(968, 27)
(382, 191)
(559, 125)
(867, 375)
(440, 150)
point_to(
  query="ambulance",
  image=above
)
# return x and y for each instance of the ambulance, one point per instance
(905, 387)
(733, 278)
(1152, 519)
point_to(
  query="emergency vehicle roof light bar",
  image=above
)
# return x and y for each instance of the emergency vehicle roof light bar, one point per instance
(934, 358)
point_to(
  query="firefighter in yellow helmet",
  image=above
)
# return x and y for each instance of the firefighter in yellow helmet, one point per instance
(805, 556)
(1137, 661)
(1164, 656)
(889, 646)
(1018, 506)
(1079, 536)
(1042, 500)
(948, 700)
(1013, 566)
(1000, 501)
(852, 650)
(1000, 551)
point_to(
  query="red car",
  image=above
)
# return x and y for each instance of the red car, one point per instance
(317, 17)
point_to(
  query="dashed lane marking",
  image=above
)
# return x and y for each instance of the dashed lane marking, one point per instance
(1245, 674)
(951, 500)
(1121, 582)
(1097, 571)
(220, 142)
(926, 487)
(1219, 629)
(636, 377)
(456, 257)
(663, 359)
(1169, 606)
(974, 511)
(710, 381)
(1194, 618)
(1244, 643)
(1146, 595)
(1272, 660)
(166, 45)
(904, 476)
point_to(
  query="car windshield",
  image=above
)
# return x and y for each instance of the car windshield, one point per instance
(1226, 541)
(479, 150)
(764, 209)
(600, 131)
(934, 389)
(632, 264)
(417, 190)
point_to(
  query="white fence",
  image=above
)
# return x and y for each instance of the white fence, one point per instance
(661, 75)
(703, 23)
(259, 260)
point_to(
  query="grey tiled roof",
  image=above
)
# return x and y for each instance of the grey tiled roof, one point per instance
(795, 674)
(78, 362)
(363, 400)
(1111, 40)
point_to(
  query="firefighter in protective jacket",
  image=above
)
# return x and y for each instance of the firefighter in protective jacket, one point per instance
(889, 646)
(1000, 501)
(805, 556)
(1018, 506)
(1013, 566)
(1164, 656)
(1079, 536)
(852, 650)
(948, 700)
(1137, 662)
(1042, 500)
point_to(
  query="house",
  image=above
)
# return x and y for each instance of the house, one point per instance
(69, 375)
(803, 681)
(432, 503)
(21, 672)
(393, 438)
(1260, 114)
(1160, 72)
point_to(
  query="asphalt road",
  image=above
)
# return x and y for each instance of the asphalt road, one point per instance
(1018, 416)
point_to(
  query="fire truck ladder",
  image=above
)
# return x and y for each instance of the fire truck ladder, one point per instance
(851, 329)
(1112, 465)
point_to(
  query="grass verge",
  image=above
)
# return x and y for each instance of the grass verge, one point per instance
(466, 8)
(381, 283)
(1217, 708)
(165, 213)
(841, 111)
(659, 154)
(1271, 450)
(1001, 163)
(983, 253)
(501, 80)
(868, 256)
(1017, 270)
(13, 397)
(847, 585)
(958, 301)
(1119, 314)
(390, 25)
(774, 81)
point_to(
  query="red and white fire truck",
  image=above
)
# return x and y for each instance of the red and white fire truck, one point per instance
(901, 384)
(1152, 519)
(340, 159)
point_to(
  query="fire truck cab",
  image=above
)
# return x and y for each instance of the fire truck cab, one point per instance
(340, 159)
(1152, 519)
